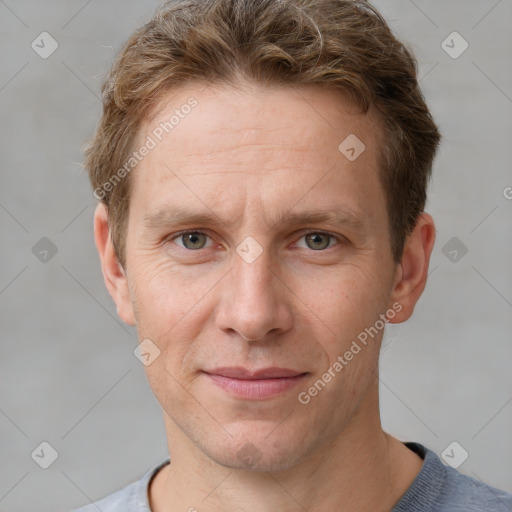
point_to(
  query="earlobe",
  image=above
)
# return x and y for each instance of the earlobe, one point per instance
(113, 273)
(412, 273)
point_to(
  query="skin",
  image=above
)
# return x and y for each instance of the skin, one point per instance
(248, 155)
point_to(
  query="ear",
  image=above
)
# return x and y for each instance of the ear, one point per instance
(113, 273)
(412, 272)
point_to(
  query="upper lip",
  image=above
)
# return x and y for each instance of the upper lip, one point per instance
(239, 372)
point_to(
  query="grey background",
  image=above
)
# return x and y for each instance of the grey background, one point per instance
(68, 373)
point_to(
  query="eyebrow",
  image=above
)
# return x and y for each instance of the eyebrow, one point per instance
(184, 216)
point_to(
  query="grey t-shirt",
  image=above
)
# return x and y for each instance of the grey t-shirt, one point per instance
(436, 488)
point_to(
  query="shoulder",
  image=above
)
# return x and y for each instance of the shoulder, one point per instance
(472, 495)
(116, 502)
(441, 488)
(132, 498)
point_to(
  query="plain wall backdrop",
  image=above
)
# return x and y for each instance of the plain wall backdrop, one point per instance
(68, 373)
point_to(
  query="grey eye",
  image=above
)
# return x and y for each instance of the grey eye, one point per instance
(193, 240)
(318, 241)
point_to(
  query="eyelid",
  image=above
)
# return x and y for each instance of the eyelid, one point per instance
(340, 239)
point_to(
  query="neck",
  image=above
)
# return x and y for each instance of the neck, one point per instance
(363, 469)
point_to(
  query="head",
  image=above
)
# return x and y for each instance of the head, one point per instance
(292, 141)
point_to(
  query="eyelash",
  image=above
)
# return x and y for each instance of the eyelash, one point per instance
(337, 238)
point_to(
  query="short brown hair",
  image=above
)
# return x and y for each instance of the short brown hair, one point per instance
(337, 43)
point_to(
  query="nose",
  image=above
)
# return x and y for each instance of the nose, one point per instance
(254, 302)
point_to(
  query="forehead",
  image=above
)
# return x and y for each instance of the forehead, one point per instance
(257, 141)
(292, 114)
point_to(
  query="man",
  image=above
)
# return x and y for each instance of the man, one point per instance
(262, 169)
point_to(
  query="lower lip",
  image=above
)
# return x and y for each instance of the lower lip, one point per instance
(257, 389)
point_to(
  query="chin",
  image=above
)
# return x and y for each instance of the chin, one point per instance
(250, 451)
(250, 457)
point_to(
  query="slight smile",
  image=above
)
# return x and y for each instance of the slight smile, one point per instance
(255, 384)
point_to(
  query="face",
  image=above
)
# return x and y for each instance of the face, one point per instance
(254, 243)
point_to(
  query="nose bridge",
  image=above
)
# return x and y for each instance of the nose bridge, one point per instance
(252, 278)
(251, 303)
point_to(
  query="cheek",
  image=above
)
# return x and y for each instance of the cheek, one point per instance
(164, 293)
(172, 308)
(346, 301)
